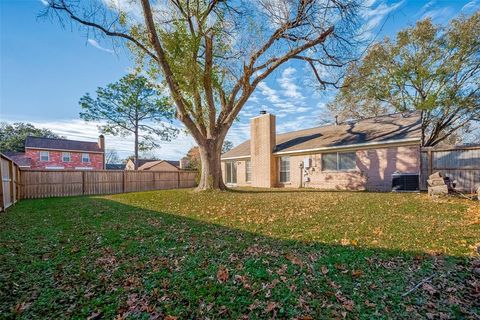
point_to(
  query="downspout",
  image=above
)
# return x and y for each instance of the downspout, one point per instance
(300, 166)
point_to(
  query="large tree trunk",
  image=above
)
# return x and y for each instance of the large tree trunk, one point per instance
(211, 170)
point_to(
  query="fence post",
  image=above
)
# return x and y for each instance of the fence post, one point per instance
(12, 188)
(178, 179)
(430, 162)
(83, 182)
(2, 203)
(124, 181)
(17, 180)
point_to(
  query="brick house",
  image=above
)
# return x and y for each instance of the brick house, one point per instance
(368, 154)
(62, 154)
(154, 165)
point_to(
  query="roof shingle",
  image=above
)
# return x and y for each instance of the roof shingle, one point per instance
(382, 129)
(61, 144)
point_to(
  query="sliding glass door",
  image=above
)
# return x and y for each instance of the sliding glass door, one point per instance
(231, 172)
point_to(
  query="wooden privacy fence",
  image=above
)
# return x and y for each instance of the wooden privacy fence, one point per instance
(52, 183)
(461, 164)
(9, 172)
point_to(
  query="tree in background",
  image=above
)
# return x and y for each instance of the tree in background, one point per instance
(227, 146)
(112, 157)
(193, 159)
(213, 54)
(131, 106)
(12, 136)
(428, 68)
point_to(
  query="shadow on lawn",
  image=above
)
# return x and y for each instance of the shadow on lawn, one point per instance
(85, 256)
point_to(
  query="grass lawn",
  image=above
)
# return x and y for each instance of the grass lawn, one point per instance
(241, 254)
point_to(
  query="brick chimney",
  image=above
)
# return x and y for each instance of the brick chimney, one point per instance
(101, 142)
(262, 145)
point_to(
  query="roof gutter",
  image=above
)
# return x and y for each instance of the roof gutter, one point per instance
(409, 141)
(234, 158)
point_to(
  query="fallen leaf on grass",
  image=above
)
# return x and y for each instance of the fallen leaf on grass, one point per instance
(222, 274)
(270, 307)
(349, 305)
(294, 259)
(254, 305)
(357, 273)
(429, 288)
(20, 307)
(370, 304)
(94, 316)
(324, 270)
(223, 310)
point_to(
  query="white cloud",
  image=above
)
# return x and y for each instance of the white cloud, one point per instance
(269, 93)
(471, 6)
(373, 16)
(287, 83)
(95, 44)
(439, 14)
(44, 2)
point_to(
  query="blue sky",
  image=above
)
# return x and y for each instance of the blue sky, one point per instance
(45, 69)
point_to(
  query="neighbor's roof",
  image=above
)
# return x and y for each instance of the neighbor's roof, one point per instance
(382, 129)
(19, 158)
(115, 166)
(61, 144)
(147, 164)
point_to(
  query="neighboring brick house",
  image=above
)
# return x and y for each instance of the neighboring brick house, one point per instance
(154, 165)
(362, 155)
(63, 154)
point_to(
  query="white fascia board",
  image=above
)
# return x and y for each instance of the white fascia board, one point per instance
(409, 141)
(235, 158)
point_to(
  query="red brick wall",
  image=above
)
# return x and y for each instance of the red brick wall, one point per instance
(55, 160)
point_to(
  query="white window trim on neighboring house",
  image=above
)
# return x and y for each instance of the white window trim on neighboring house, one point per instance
(54, 168)
(84, 168)
(87, 157)
(286, 170)
(66, 155)
(44, 152)
(338, 162)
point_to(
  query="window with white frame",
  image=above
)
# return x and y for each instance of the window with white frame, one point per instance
(66, 157)
(44, 156)
(339, 161)
(248, 170)
(231, 172)
(284, 169)
(85, 157)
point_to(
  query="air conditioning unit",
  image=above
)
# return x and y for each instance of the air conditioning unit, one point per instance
(405, 182)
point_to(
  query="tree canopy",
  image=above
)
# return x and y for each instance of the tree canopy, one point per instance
(12, 136)
(212, 54)
(131, 106)
(431, 68)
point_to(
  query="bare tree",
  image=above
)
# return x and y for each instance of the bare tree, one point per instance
(212, 54)
(111, 156)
